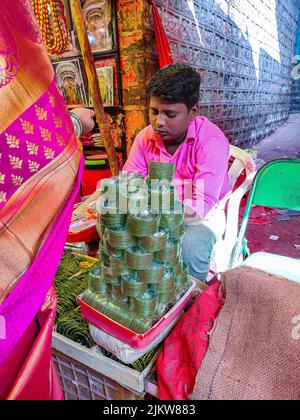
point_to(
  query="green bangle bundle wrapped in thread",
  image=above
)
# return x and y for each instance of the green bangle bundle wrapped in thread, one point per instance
(140, 274)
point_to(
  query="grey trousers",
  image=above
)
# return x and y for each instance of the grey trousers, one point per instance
(197, 246)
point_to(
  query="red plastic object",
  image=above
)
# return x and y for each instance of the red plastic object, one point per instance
(94, 171)
(138, 341)
(86, 235)
(83, 229)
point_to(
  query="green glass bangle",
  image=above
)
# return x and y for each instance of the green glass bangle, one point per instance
(143, 225)
(113, 220)
(87, 297)
(156, 242)
(145, 305)
(131, 185)
(100, 226)
(162, 197)
(110, 251)
(161, 171)
(161, 309)
(170, 254)
(172, 219)
(108, 276)
(137, 258)
(176, 269)
(103, 257)
(167, 297)
(118, 267)
(168, 283)
(99, 302)
(177, 232)
(138, 203)
(124, 316)
(182, 279)
(132, 287)
(154, 274)
(96, 280)
(141, 326)
(94, 300)
(119, 238)
(112, 308)
(181, 290)
(117, 294)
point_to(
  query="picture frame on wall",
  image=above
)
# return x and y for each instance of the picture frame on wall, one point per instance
(70, 81)
(106, 83)
(99, 19)
(101, 61)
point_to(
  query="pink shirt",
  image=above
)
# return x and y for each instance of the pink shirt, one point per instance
(202, 158)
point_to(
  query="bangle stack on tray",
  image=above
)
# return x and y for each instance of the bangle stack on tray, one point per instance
(141, 274)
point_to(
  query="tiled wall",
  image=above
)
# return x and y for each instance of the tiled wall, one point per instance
(295, 104)
(243, 49)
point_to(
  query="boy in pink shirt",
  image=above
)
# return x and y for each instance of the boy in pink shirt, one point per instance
(200, 152)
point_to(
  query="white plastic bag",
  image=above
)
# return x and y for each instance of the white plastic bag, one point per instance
(123, 351)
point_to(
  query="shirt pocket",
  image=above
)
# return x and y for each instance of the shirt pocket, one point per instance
(185, 167)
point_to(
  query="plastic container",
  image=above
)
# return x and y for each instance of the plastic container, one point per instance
(86, 235)
(83, 229)
(138, 341)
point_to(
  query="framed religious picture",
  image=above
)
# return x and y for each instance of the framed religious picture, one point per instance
(70, 81)
(106, 84)
(99, 19)
(110, 62)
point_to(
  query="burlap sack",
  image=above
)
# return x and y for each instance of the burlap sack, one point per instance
(255, 346)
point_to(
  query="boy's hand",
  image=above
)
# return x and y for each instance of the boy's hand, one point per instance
(190, 216)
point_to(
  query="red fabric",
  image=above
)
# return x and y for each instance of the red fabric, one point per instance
(186, 346)
(13, 364)
(30, 378)
(163, 46)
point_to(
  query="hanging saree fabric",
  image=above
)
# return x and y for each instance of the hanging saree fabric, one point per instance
(40, 171)
(163, 47)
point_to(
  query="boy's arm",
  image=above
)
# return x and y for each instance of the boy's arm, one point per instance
(136, 162)
(212, 168)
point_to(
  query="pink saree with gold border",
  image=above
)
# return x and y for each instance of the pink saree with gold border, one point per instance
(40, 171)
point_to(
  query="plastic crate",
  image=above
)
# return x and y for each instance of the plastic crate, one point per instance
(86, 374)
(81, 383)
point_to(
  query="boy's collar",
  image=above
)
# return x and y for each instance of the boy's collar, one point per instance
(190, 136)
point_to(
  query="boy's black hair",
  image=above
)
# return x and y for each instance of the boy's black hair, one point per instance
(176, 83)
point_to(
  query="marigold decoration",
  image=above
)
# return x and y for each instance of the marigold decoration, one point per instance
(53, 25)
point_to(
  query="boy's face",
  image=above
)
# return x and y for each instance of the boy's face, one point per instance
(170, 121)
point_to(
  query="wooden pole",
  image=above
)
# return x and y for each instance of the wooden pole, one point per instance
(94, 86)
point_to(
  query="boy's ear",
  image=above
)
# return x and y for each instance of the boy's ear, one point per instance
(195, 112)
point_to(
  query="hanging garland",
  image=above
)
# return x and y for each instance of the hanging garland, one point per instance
(53, 25)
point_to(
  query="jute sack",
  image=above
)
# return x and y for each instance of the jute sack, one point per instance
(255, 345)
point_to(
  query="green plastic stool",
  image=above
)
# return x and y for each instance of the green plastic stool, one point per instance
(276, 185)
